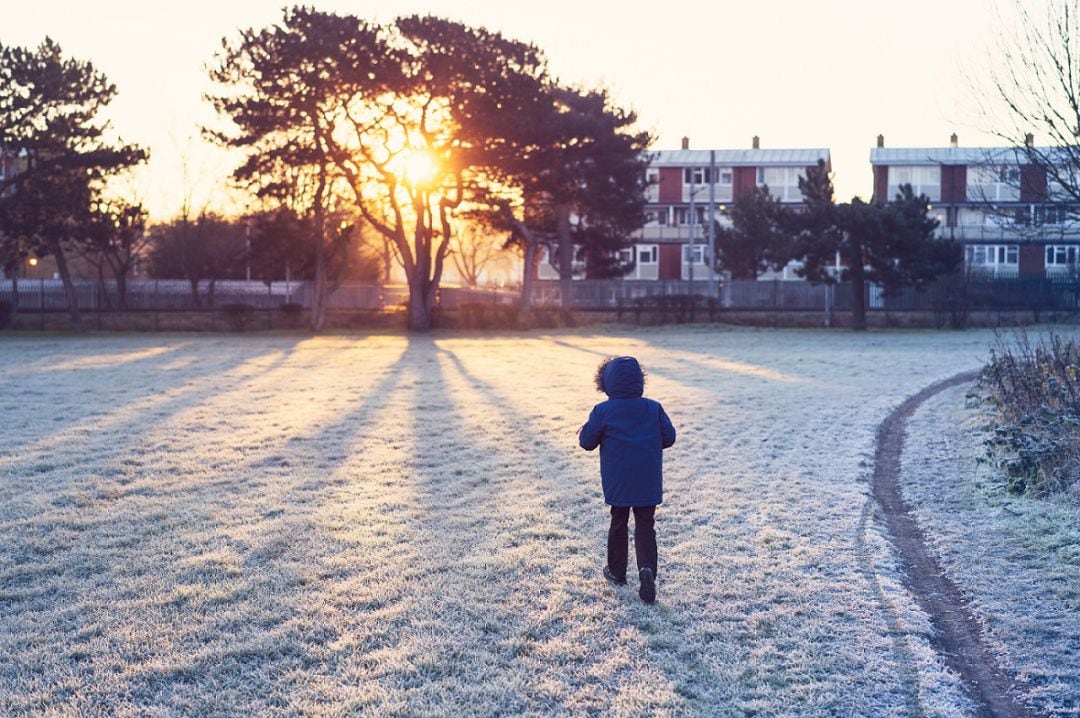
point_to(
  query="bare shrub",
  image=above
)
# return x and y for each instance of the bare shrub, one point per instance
(1035, 388)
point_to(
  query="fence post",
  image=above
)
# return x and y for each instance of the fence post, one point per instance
(157, 303)
(41, 299)
(269, 306)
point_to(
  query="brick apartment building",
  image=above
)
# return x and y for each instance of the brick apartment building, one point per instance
(677, 203)
(1011, 220)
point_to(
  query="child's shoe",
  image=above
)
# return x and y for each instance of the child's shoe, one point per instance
(648, 585)
(613, 578)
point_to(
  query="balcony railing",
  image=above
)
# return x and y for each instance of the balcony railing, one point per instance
(1012, 234)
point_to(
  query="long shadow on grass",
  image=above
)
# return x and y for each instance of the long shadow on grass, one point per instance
(105, 413)
(679, 658)
(706, 363)
(277, 627)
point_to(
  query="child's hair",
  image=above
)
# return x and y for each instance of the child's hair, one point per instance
(598, 378)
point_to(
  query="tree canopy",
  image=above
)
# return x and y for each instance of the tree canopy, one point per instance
(50, 115)
(417, 125)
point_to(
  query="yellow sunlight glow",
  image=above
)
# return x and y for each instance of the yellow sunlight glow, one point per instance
(415, 167)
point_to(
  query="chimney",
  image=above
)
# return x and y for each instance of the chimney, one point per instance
(1029, 140)
(756, 143)
(881, 140)
(954, 141)
(686, 143)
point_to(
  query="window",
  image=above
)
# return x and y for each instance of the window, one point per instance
(993, 183)
(662, 216)
(726, 176)
(1051, 214)
(682, 215)
(647, 254)
(924, 179)
(1061, 255)
(991, 255)
(783, 182)
(695, 175)
(699, 254)
(625, 256)
(652, 176)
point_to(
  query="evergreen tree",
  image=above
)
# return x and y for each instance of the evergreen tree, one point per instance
(890, 244)
(50, 107)
(760, 237)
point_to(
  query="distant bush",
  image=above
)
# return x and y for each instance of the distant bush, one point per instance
(669, 308)
(483, 315)
(292, 309)
(238, 316)
(1036, 390)
(5, 314)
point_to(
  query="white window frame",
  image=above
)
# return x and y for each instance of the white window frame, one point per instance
(992, 255)
(699, 253)
(924, 179)
(653, 252)
(785, 184)
(1062, 255)
(682, 216)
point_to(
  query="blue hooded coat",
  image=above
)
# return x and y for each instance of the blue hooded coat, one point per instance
(632, 433)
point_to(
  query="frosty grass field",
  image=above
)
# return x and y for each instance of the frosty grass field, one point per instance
(398, 525)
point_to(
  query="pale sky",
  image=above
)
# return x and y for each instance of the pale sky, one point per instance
(799, 73)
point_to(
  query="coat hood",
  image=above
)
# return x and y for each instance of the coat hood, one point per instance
(623, 378)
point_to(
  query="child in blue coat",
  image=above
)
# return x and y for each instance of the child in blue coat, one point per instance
(632, 433)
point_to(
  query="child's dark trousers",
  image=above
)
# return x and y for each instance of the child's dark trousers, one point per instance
(644, 539)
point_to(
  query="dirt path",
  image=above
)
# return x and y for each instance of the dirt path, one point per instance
(958, 636)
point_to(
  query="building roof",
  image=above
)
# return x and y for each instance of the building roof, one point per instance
(740, 158)
(948, 155)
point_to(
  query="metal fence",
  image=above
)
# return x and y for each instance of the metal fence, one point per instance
(162, 295)
(796, 295)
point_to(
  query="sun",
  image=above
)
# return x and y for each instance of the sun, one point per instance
(415, 167)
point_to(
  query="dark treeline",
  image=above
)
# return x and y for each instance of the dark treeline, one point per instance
(367, 145)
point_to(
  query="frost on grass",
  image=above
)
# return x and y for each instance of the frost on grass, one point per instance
(404, 526)
(1016, 558)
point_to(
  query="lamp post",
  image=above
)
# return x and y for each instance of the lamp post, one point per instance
(247, 249)
(691, 224)
(712, 223)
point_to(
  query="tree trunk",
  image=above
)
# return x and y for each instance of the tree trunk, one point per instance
(566, 255)
(318, 302)
(121, 290)
(195, 291)
(103, 291)
(69, 286)
(421, 301)
(388, 260)
(527, 283)
(14, 292)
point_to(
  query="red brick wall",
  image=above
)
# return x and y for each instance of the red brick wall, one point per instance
(670, 261)
(953, 183)
(743, 181)
(960, 183)
(671, 184)
(1032, 183)
(948, 174)
(1031, 260)
(881, 183)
